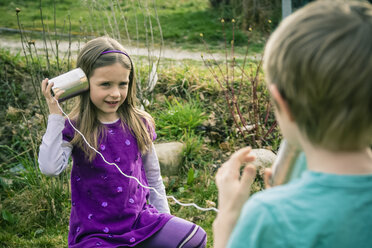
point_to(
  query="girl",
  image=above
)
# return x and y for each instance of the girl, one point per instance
(109, 209)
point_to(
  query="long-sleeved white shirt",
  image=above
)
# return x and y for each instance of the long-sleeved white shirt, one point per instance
(55, 152)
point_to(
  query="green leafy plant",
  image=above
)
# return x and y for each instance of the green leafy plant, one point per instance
(179, 119)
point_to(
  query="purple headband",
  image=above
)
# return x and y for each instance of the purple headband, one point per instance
(116, 51)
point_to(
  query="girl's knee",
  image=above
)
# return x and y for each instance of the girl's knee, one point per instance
(196, 239)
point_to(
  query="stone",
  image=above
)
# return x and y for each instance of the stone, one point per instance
(264, 158)
(170, 157)
(6, 182)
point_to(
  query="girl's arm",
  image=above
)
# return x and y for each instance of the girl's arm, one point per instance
(152, 169)
(54, 151)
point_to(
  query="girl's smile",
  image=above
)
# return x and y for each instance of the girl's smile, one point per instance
(108, 90)
(112, 103)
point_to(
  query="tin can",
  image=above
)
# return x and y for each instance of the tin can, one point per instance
(284, 164)
(73, 83)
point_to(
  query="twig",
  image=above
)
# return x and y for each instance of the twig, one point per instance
(55, 34)
(125, 21)
(69, 43)
(116, 23)
(44, 37)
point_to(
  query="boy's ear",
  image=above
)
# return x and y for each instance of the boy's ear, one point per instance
(280, 102)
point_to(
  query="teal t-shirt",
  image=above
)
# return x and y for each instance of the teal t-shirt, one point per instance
(316, 210)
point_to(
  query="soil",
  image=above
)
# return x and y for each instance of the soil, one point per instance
(13, 43)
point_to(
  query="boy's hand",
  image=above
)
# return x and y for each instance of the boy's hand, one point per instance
(52, 104)
(233, 191)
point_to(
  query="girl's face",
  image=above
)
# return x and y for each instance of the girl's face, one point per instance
(108, 90)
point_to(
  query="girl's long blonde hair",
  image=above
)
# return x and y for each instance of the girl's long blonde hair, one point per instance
(139, 122)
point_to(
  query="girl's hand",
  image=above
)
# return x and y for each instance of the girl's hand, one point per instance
(52, 104)
(233, 191)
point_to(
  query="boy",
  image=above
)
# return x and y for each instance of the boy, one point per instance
(318, 66)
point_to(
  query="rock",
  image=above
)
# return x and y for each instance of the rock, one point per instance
(19, 168)
(170, 157)
(5, 181)
(264, 158)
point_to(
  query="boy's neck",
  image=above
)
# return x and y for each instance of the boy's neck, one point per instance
(339, 162)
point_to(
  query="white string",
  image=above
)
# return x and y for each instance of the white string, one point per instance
(144, 186)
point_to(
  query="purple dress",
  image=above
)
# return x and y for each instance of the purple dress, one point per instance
(107, 208)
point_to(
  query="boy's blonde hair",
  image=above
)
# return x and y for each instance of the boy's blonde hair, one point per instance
(320, 58)
(85, 113)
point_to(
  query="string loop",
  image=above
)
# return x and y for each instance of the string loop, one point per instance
(131, 177)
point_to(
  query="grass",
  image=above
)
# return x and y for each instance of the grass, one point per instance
(187, 103)
(179, 119)
(35, 208)
(181, 21)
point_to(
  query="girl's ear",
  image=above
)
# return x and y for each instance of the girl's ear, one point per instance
(280, 102)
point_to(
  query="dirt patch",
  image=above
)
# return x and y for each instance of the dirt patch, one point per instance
(15, 45)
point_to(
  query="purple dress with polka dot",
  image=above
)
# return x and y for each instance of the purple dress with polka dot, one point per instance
(108, 209)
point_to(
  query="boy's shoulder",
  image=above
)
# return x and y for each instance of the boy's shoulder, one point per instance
(314, 206)
(315, 188)
(280, 193)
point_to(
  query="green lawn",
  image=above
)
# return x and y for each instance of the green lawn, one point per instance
(181, 22)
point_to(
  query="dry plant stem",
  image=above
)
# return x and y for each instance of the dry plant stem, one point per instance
(16, 156)
(146, 38)
(150, 47)
(69, 44)
(49, 40)
(138, 71)
(63, 30)
(226, 96)
(33, 145)
(33, 73)
(243, 74)
(44, 37)
(211, 54)
(137, 42)
(151, 62)
(124, 20)
(267, 112)
(229, 87)
(160, 31)
(255, 99)
(101, 30)
(234, 97)
(22, 38)
(115, 21)
(241, 83)
(151, 28)
(254, 103)
(271, 129)
(147, 90)
(225, 90)
(55, 35)
(81, 32)
(226, 62)
(232, 52)
(110, 25)
(24, 41)
(92, 32)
